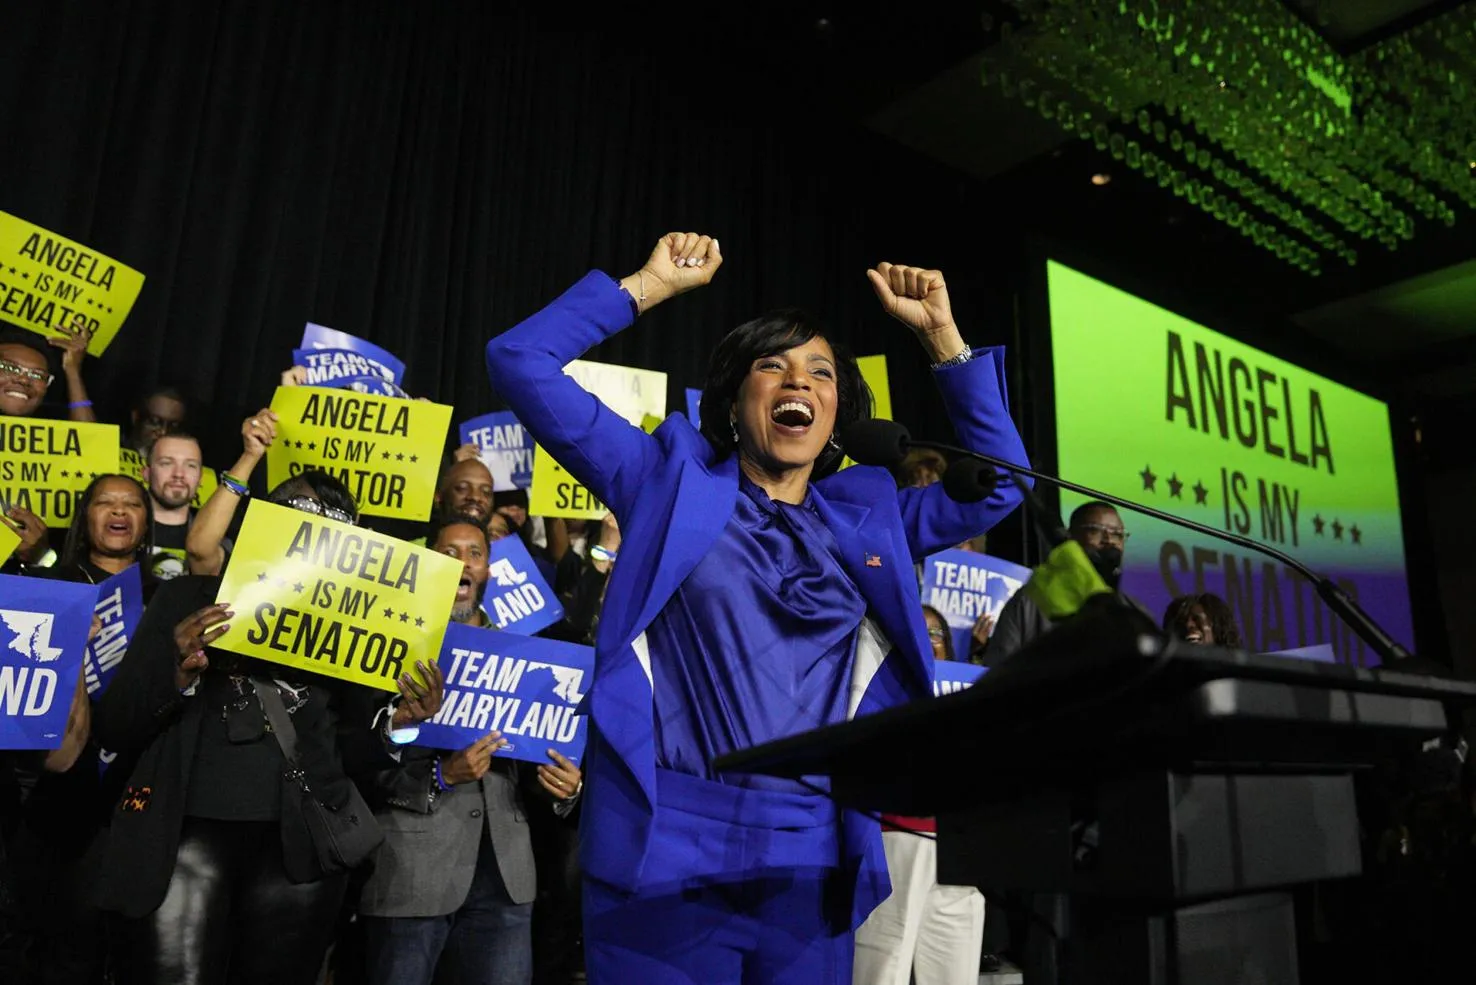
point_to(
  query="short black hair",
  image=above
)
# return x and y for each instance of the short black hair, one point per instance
(19, 336)
(1079, 514)
(141, 402)
(177, 433)
(1216, 610)
(77, 547)
(768, 335)
(321, 486)
(441, 521)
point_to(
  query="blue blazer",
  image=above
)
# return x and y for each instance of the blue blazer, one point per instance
(673, 499)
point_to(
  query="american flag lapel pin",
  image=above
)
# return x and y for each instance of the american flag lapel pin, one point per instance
(873, 561)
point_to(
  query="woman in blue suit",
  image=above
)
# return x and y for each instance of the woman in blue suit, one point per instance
(758, 593)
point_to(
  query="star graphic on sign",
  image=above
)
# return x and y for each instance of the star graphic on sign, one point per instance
(386, 456)
(404, 617)
(1149, 479)
(414, 458)
(419, 622)
(298, 587)
(1356, 534)
(1337, 530)
(1201, 494)
(25, 275)
(94, 475)
(1176, 486)
(389, 613)
(1318, 523)
(262, 576)
(63, 473)
(312, 446)
(400, 457)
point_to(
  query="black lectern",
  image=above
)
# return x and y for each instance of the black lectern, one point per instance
(1173, 792)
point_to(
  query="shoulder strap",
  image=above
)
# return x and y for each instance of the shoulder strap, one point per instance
(276, 713)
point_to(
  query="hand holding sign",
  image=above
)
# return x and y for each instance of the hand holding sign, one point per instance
(472, 763)
(258, 432)
(32, 533)
(192, 635)
(73, 343)
(561, 779)
(420, 702)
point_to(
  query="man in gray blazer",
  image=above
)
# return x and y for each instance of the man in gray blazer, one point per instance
(454, 881)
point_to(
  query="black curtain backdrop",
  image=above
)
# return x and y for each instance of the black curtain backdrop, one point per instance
(425, 175)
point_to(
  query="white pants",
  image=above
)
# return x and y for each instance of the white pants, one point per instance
(933, 931)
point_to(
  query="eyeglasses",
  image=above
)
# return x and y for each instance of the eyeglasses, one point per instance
(937, 634)
(309, 505)
(23, 373)
(1106, 533)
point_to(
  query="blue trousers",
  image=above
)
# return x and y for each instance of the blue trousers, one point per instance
(741, 887)
(488, 941)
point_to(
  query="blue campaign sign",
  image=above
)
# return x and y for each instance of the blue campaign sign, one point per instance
(507, 451)
(43, 630)
(323, 337)
(694, 407)
(954, 675)
(119, 607)
(334, 367)
(963, 586)
(518, 599)
(527, 688)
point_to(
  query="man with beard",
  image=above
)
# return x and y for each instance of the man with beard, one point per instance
(466, 491)
(172, 474)
(454, 881)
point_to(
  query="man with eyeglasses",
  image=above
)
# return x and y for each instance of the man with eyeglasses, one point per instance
(25, 376)
(25, 372)
(1097, 527)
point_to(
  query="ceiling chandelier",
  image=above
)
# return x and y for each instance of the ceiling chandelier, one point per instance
(1244, 111)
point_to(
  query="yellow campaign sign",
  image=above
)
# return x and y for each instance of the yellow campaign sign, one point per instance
(554, 492)
(131, 463)
(9, 540)
(45, 465)
(874, 372)
(638, 395)
(335, 599)
(47, 281)
(386, 450)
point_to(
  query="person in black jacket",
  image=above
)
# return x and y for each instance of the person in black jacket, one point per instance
(216, 880)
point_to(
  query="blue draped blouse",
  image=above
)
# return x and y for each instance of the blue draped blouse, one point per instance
(757, 643)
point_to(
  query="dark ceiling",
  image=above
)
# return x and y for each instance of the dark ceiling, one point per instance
(1405, 319)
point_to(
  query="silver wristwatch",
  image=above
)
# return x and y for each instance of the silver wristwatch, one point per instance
(957, 360)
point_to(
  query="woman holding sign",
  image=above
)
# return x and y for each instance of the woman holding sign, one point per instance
(757, 595)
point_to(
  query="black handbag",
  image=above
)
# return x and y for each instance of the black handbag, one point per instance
(342, 837)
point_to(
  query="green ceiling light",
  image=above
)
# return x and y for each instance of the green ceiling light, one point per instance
(1248, 114)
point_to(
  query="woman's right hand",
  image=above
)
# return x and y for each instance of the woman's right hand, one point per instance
(679, 263)
(197, 631)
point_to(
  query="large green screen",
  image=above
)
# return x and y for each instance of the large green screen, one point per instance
(1160, 410)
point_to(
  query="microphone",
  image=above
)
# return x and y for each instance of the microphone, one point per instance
(886, 443)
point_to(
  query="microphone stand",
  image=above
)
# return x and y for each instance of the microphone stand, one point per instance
(1339, 601)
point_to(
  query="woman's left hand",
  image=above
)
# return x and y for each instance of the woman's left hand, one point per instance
(420, 702)
(916, 297)
(562, 779)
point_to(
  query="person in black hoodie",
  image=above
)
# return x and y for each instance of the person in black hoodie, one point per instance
(215, 876)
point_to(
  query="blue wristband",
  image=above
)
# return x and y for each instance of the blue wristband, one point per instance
(440, 779)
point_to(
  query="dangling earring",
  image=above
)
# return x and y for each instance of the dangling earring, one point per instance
(833, 443)
(733, 423)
